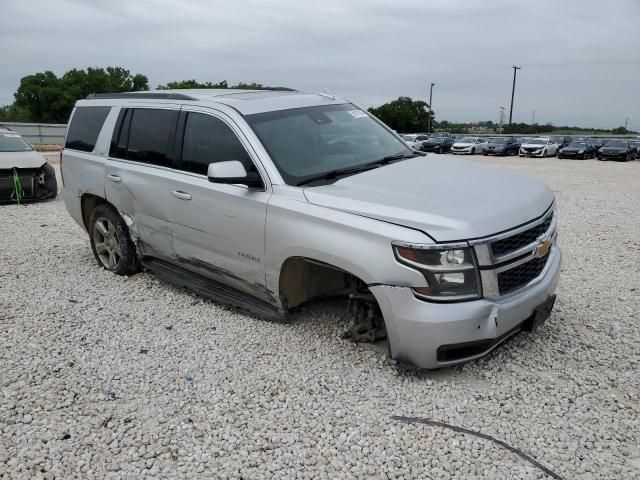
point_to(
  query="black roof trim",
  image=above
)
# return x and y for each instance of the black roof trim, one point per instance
(154, 95)
(275, 89)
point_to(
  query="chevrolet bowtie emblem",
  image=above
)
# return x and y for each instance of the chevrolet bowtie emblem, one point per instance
(543, 248)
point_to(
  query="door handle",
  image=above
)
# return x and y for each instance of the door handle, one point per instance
(114, 178)
(181, 195)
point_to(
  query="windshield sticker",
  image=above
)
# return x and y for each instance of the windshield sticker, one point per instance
(12, 135)
(357, 113)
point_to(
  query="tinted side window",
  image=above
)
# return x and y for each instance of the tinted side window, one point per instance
(85, 128)
(209, 140)
(151, 136)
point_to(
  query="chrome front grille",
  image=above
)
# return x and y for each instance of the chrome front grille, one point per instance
(519, 240)
(513, 260)
(513, 279)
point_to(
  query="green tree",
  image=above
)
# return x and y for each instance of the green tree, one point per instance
(44, 97)
(182, 84)
(620, 131)
(404, 115)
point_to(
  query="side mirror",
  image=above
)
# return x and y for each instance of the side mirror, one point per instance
(232, 172)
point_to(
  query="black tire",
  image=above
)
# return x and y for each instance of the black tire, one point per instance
(50, 182)
(473, 151)
(116, 243)
(485, 154)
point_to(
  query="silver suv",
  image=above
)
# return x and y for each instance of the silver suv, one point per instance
(265, 200)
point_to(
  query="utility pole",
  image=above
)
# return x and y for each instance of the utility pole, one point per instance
(626, 122)
(430, 99)
(501, 119)
(513, 91)
(533, 117)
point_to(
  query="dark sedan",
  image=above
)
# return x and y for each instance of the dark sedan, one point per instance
(501, 146)
(620, 150)
(578, 150)
(438, 142)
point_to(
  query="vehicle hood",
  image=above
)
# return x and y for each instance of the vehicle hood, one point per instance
(447, 198)
(533, 145)
(574, 149)
(463, 145)
(30, 159)
(614, 149)
(436, 140)
(495, 145)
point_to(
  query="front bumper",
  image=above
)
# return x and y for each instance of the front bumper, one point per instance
(612, 156)
(430, 147)
(417, 329)
(36, 184)
(524, 153)
(494, 152)
(462, 151)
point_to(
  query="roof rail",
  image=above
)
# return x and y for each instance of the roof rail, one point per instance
(154, 95)
(278, 89)
(6, 128)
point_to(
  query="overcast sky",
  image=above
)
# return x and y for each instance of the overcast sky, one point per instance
(580, 58)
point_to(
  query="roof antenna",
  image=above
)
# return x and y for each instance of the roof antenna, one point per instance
(326, 93)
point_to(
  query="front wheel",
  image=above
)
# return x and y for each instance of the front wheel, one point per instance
(110, 241)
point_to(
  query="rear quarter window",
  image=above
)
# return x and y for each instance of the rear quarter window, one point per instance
(146, 135)
(85, 127)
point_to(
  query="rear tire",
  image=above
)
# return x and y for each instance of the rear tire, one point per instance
(110, 241)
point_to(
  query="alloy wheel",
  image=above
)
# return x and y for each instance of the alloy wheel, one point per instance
(107, 243)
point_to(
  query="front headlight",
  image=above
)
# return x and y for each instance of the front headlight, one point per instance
(450, 270)
(580, 152)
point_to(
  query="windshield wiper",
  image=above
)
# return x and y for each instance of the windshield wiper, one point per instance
(391, 158)
(333, 174)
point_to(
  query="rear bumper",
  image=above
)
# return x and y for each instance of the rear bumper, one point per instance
(418, 329)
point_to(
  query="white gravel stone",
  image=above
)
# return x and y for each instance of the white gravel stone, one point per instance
(223, 395)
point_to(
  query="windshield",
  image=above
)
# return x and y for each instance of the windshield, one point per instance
(537, 141)
(498, 140)
(616, 144)
(309, 141)
(578, 144)
(12, 142)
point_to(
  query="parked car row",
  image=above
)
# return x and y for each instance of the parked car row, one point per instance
(561, 146)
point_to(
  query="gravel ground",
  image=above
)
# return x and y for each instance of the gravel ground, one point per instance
(110, 377)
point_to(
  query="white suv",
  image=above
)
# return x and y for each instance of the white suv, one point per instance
(265, 200)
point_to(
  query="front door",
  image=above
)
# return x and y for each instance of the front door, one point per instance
(218, 230)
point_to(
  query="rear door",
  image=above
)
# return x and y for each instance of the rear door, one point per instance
(218, 229)
(140, 176)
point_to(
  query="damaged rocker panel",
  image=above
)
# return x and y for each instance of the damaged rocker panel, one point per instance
(216, 291)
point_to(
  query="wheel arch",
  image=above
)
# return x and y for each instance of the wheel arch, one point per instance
(303, 278)
(88, 203)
